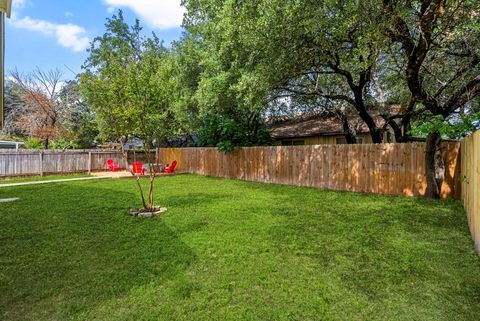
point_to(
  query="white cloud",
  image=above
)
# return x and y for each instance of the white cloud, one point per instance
(68, 14)
(162, 14)
(68, 35)
(19, 4)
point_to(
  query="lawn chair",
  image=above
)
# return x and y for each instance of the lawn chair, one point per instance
(170, 169)
(111, 165)
(137, 168)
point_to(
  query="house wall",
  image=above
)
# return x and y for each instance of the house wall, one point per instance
(322, 140)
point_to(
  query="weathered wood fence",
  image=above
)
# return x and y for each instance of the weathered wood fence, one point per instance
(471, 184)
(40, 162)
(384, 169)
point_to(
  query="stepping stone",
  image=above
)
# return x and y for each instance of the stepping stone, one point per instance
(6, 200)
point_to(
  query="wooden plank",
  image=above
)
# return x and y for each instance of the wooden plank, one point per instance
(40, 162)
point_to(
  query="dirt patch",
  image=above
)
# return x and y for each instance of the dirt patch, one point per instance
(142, 212)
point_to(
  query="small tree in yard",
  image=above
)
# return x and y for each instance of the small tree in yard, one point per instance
(125, 81)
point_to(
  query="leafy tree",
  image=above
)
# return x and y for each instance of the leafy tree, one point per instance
(209, 83)
(14, 106)
(126, 82)
(321, 56)
(186, 69)
(226, 133)
(80, 129)
(439, 43)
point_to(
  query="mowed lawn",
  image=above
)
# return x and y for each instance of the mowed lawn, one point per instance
(232, 250)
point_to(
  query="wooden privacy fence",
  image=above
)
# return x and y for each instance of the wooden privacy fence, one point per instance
(39, 162)
(384, 169)
(471, 184)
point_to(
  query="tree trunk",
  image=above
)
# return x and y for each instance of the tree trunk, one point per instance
(376, 134)
(46, 143)
(349, 133)
(137, 179)
(150, 189)
(434, 166)
(148, 153)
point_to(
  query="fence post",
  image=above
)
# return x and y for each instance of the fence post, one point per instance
(89, 162)
(40, 157)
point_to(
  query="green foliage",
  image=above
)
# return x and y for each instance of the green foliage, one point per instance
(345, 55)
(452, 128)
(84, 127)
(233, 250)
(33, 143)
(62, 143)
(226, 134)
(81, 126)
(126, 81)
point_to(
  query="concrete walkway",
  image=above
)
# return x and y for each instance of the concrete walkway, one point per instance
(7, 200)
(53, 181)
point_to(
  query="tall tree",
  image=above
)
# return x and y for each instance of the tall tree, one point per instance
(440, 45)
(80, 128)
(14, 107)
(325, 56)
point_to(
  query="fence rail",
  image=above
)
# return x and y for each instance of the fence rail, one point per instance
(384, 169)
(471, 184)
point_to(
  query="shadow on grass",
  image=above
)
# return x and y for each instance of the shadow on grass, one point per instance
(67, 249)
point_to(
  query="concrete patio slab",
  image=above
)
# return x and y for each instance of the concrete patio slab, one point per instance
(119, 174)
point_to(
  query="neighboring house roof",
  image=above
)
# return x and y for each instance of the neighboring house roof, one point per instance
(134, 143)
(9, 145)
(318, 125)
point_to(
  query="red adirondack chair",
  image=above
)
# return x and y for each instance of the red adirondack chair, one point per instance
(137, 168)
(170, 169)
(111, 165)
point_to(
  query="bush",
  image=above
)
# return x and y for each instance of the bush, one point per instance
(33, 143)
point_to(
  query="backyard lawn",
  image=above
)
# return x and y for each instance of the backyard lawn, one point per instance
(232, 250)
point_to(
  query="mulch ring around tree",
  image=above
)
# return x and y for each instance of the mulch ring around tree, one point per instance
(144, 212)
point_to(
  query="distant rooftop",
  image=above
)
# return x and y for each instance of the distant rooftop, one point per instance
(322, 125)
(4, 144)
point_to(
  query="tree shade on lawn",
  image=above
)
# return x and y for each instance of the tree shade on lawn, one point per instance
(233, 250)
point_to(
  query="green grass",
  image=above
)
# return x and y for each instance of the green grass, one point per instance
(40, 178)
(232, 250)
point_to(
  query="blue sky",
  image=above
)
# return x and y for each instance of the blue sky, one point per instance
(55, 33)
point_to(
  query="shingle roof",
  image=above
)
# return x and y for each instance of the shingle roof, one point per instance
(316, 125)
